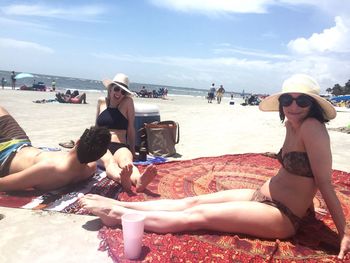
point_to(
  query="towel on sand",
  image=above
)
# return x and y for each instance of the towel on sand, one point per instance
(316, 240)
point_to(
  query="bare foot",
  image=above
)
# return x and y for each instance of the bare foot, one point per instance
(125, 176)
(105, 208)
(145, 178)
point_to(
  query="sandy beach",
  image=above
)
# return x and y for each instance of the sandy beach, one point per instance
(205, 129)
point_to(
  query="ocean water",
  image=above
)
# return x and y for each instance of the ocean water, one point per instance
(64, 83)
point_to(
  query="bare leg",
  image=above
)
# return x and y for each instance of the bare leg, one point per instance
(141, 181)
(3, 112)
(82, 98)
(116, 173)
(245, 217)
(130, 174)
(185, 203)
(124, 159)
(95, 202)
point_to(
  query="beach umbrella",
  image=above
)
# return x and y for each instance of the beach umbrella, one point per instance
(24, 75)
(340, 98)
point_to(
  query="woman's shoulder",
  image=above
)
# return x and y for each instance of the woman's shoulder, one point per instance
(128, 101)
(312, 123)
(129, 98)
(312, 127)
(101, 100)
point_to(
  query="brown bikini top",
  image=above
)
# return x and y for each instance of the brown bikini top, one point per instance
(296, 163)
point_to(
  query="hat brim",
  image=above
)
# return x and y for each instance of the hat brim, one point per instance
(107, 82)
(271, 103)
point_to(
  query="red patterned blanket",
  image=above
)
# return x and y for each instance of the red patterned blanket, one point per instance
(316, 241)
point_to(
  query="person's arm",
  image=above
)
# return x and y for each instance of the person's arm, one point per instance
(131, 128)
(100, 101)
(317, 144)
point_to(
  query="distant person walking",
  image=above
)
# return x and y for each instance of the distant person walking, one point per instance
(220, 92)
(53, 85)
(3, 82)
(13, 80)
(211, 93)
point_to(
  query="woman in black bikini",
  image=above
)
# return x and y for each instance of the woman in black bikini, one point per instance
(276, 208)
(116, 112)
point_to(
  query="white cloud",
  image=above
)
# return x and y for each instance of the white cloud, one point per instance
(84, 13)
(253, 75)
(201, 70)
(251, 53)
(210, 6)
(330, 7)
(335, 39)
(14, 44)
(222, 7)
(6, 22)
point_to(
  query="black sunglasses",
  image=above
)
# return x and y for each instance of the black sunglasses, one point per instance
(117, 89)
(302, 101)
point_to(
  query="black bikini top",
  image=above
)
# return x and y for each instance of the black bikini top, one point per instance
(112, 118)
(296, 163)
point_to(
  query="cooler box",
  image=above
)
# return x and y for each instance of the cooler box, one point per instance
(144, 113)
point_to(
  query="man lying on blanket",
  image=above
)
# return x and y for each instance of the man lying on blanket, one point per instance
(23, 166)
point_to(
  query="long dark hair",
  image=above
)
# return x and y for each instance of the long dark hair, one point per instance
(315, 111)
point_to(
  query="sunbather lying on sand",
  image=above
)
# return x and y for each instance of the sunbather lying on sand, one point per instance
(66, 98)
(23, 166)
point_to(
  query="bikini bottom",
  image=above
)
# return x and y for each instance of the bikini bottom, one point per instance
(8, 151)
(12, 139)
(294, 219)
(114, 146)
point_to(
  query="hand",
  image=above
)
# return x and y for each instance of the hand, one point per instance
(344, 246)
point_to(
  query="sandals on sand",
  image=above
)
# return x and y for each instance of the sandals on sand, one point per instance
(69, 144)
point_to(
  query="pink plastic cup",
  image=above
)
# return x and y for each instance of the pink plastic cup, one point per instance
(133, 226)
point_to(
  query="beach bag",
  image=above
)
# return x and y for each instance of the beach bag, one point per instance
(162, 137)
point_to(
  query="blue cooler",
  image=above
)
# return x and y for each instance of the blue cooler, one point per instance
(144, 113)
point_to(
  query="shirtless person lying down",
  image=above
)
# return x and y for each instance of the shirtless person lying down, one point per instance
(23, 166)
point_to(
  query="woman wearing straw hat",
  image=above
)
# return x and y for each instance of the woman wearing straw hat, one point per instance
(275, 209)
(117, 113)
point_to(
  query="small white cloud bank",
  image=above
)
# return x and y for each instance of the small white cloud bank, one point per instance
(86, 12)
(8, 43)
(210, 6)
(335, 39)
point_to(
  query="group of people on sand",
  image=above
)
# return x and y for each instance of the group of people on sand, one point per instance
(144, 93)
(273, 211)
(71, 97)
(215, 93)
(342, 103)
(13, 80)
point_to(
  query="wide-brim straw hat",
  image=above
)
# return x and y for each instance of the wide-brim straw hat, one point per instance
(299, 83)
(121, 80)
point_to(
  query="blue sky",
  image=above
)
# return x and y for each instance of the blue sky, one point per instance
(249, 44)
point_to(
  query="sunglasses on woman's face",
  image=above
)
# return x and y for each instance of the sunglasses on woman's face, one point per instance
(117, 89)
(302, 101)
